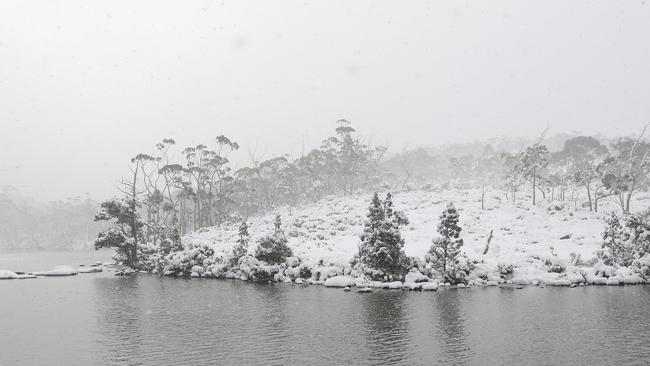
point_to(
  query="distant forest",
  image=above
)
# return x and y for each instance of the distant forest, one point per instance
(176, 190)
(29, 224)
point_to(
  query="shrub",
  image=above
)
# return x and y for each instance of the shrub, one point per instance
(273, 249)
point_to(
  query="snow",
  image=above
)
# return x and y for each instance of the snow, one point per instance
(7, 275)
(531, 245)
(430, 286)
(339, 281)
(57, 271)
(89, 270)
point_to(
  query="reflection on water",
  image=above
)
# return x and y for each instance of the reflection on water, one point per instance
(454, 349)
(385, 326)
(100, 319)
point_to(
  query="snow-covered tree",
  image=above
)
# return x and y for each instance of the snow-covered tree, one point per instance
(241, 248)
(273, 249)
(445, 254)
(381, 252)
(534, 160)
(615, 248)
(124, 232)
(625, 240)
(584, 154)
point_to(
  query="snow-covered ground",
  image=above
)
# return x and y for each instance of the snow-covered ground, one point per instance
(530, 243)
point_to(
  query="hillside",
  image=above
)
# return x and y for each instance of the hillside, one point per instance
(527, 240)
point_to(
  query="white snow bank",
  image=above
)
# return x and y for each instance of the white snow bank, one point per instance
(58, 271)
(339, 281)
(7, 275)
(89, 270)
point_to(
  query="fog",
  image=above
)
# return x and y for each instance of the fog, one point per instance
(85, 86)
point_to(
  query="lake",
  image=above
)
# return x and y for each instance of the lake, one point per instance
(101, 319)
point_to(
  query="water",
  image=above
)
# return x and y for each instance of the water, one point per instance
(100, 319)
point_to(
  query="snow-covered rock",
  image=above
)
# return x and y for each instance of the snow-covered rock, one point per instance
(430, 286)
(7, 275)
(57, 271)
(90, 270)
(339, 281)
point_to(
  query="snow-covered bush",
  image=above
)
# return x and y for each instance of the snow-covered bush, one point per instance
(445, 254)
(183, 264)
(381, 252)
(625, 241)
(616, 247)
(171, 244)
(273, 249)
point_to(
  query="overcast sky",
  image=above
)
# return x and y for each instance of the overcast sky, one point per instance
(84, 85)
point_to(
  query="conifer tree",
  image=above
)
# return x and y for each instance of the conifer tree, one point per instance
(241, 248)
(273, 249)
(445, 254)
(381, 253)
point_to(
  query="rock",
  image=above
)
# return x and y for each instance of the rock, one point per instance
(565, 237)
(90, 270)
(347, 289)
(299, 281)
(416, 277)
(430, 286)
(364, 290)
(60, 271)
(395, 285)
(460, 285)
(7, 275)
(573, 285)
(339, 281)
(287, 280)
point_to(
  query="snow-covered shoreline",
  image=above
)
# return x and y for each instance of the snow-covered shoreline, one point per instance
(548, 244)
(553, 244)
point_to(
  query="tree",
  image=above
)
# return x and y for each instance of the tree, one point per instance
(445, 254)
(585, 154)
(485, 169)
(627, 170)
(273, 249)
(241, 248)
(625, 241)
(381, 252)
(534, 160)
(124, 231)
(514, 174)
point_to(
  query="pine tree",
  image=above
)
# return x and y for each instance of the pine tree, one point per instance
(381, 253)
(273, 249)
(445, 254)
(241, 248)
(616, 247)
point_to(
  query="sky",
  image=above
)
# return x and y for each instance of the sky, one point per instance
(84, 86)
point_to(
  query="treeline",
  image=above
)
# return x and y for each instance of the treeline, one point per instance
(168, 195)
(29, 224)
(163, 198)
(584, 172)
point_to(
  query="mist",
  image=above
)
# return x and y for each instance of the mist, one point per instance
(85, 86)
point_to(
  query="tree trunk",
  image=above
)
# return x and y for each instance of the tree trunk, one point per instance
(589, 197)
(487, 245)
(534, 183)
(627, 202)
(482, 198)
